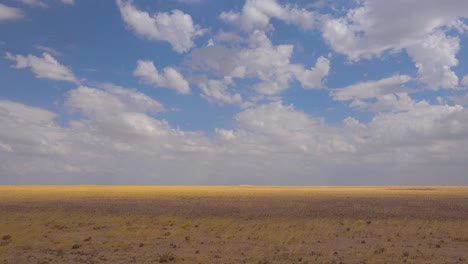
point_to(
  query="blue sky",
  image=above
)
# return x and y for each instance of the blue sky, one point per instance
(233, 92)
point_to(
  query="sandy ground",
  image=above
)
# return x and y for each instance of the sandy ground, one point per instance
(93, 224)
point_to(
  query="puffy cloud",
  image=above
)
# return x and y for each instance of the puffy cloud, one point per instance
(464, 81)
(114, 137)
(116, 111)
(68, 2)
(256, 14)
(312, 78)
(371, 89)
(169, 78)
(176, 27)
(279, 128)
(270, 65)
(371, 29)
(46, 67)
(459, 99)
(18, 121)
(217, 91)
(423, 126)
(388, 94)
(262, 60)
(92, 101)
(434, 56)
(10, 13)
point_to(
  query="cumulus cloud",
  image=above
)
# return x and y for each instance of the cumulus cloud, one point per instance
(217, 91)
(269, 64)
(176, 27)
(115, 136)
(168, 78)
(10, 13)
(46, 67)
(371, 89)
(312, 78)
(464, 81)
(371, 29)
(459, 99)
(434, 57)
(256, 14)
(114, 133)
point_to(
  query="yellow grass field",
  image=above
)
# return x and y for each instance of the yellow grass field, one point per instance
(245, 224)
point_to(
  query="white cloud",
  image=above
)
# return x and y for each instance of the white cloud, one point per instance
(268, 64)
(217, 91)
(46, 67)
(68, 2)
(34, 3)
(371, 29)
(176, 27)
(459, 99)
(371, 89)
(118, 135)
(49, 50)
(388, 94)
(464, 81)
(434, 57)
(256, 14)
(10, 13)
(312, 78)
(110, 97)
(168, 78)
(115, 137)
(18, 121)
(422, 126)
(116, 111)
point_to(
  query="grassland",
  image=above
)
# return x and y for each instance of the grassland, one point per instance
(138, 224)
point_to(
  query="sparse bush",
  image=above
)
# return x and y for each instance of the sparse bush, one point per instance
(379, 251)
(76, 246)
(166, 258)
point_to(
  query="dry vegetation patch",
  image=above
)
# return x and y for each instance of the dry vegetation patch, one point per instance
(93, 224)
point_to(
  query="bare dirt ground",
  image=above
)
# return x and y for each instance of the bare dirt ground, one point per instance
(128, 224)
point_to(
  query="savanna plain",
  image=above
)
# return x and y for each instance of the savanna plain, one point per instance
(242, 224)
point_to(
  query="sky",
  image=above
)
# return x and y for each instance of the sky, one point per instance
(258, 92)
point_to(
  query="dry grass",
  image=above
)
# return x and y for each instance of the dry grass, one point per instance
(130, 224)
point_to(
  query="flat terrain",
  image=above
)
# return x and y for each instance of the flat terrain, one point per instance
(131, 224)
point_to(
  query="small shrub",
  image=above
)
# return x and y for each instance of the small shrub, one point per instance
(166, 258)
(75, 246)
(379, 251)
